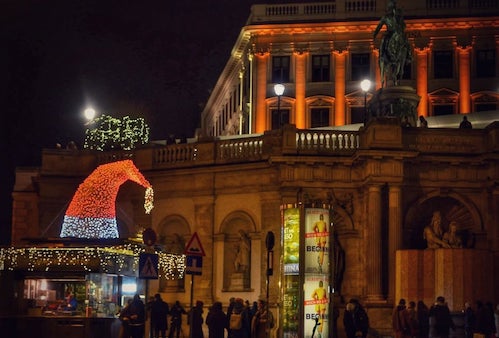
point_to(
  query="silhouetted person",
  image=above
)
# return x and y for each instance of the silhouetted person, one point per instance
(216, 321)
(159, 313)
(422, 122)
(469, 320)
(176, 325)
(423, 314)
(137, 315)
(442, 318)
(465, 124)
(196, 320)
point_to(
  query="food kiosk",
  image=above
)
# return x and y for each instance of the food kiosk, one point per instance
(74, 287)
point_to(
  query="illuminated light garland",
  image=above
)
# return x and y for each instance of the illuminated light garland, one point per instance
(107, 132)
(92, 211)
(149, 200)
(114, 259)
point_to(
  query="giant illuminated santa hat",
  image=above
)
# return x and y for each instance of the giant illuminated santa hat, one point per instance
(92, 211)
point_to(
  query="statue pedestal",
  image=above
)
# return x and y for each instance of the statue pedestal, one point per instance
(239, 281)
(395, 101)
(459, 275)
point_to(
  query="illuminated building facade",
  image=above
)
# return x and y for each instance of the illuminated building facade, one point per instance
(382, 182)
(322, 51)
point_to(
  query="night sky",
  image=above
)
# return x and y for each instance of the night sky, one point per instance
(154, 59)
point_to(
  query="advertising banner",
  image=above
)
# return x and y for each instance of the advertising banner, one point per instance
(291, 239)
(316, 240)
(316, 307)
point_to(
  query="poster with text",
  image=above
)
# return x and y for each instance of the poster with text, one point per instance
(316, 307)
(291, 240)
(317, 241)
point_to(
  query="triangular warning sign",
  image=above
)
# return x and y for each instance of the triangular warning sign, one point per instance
(194, 247)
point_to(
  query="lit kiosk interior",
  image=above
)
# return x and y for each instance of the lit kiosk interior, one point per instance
(75, 285)
(307, 290)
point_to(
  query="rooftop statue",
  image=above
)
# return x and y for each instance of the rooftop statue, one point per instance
(395, 50)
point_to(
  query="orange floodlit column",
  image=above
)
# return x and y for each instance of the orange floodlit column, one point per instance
(261, 92)
(422, 80)
(300, 59)
(464, 79)
(339, 88)
(377, 71)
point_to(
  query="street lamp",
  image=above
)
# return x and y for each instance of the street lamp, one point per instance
(89, 114)
(279, 90)
(269, 244)
(365, 85)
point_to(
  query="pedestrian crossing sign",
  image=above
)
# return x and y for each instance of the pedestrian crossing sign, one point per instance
(148, 266)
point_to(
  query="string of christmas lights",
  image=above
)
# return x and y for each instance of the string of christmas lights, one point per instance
(107, 133)
(113, 259)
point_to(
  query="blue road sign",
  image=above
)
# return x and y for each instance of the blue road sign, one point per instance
(194, 265)
(148, 266)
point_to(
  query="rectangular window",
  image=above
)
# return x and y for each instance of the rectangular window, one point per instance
(361, 66)
(485, 107)
(357, 115)
(443, 64)
(320, 68)
(443, 109)
(319, 117)
(407, 72)
(486, 63)
(280, 69)
(279, 118)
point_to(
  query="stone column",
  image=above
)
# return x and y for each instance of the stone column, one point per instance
(261, 92)
(204, 212)
(464, 79)
(300, 81)
(218, 260)
(394, 234)
(373, 276)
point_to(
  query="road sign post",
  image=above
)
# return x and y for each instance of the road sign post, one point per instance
(194, 264)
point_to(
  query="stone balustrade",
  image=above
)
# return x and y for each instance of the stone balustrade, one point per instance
(288, 141)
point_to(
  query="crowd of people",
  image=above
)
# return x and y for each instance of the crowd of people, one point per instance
(418, 321)
(245, 320)
(242, 319)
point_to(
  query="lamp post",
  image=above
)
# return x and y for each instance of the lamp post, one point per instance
(269, 244)
(279, 90)
(365, 85)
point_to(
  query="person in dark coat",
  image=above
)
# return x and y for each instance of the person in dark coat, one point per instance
(137, 315)
(125, 320)
(423, 314)
(400, 320)
(355, 320)
(195, 320)
(176, 325)
(216, 321)
(244, 330)
(159, 314)
(442, 318)
(469, 320)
